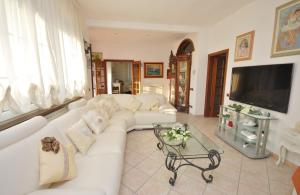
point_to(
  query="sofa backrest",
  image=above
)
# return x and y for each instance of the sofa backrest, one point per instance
(144, 97)
(77, 104)
(18, 132)
(19, 164)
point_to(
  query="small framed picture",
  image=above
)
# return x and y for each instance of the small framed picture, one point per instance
(286, 36)
(153, 69)
(244, 46)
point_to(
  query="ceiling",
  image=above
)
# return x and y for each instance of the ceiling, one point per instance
(133, 36)
(170, 12)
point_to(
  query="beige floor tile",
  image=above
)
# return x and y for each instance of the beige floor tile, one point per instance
(158, 156)
(125, 191)
(280, 176)
(195, 174)
(224, 184)
(149, 166)
(163, 174)
(134, 179)
(126, 167)
(214, 190)
(133, 158)
(172, 192)
(245, 189)
(185, 185)
(258, 166)
(278, 188)
(254, 181)
(154, 187)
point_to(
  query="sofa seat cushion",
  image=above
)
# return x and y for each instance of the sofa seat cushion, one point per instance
(126, 115)
(68, 192)
(149, 117)
(109, 142)
(116, 124)
(97, 172)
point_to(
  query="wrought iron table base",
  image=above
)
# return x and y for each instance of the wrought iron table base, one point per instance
(173, 166)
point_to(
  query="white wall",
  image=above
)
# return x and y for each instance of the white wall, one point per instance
(259, 16)
(148, 49)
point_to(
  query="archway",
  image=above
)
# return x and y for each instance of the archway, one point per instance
(186, 47)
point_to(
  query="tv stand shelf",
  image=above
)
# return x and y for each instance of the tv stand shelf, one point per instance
(245, 132)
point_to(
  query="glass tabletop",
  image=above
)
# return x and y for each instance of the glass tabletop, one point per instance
(197, 145)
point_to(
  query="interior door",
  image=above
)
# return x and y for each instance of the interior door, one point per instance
(216, 76)
(136, 77)
(183, 83)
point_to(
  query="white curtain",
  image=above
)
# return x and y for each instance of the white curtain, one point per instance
(42, 59)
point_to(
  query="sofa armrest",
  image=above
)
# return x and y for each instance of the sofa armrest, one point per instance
(67, 192)
(167, 109)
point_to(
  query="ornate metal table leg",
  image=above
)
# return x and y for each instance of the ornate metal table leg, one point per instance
(170, 165)
(215, 160)
(159, 145)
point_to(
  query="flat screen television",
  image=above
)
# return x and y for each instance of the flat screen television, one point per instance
(266, 86)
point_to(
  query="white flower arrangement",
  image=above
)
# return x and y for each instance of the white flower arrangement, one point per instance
(178, 134)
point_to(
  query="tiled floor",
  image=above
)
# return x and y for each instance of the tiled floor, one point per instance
(145, 174)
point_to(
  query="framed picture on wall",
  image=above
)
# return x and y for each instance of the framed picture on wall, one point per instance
(153, 69)
(286, 36)
(244, 46)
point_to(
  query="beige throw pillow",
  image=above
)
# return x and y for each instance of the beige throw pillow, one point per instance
(57, 167)
(95, 121)
(107, 106)
(151, 105)
(133, 105)
(81, 136)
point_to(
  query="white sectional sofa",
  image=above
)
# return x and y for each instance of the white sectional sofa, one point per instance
(98, 172)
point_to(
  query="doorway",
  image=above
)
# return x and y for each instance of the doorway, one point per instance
(123, 76)
(215, 82)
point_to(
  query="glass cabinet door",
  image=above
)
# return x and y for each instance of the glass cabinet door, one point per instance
(173, 84)
(183, 83)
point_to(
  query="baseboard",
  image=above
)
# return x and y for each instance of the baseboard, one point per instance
(287, 162)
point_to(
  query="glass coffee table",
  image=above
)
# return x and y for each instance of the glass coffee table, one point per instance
(179, 154)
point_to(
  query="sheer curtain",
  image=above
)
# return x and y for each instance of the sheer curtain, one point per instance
(42, 59)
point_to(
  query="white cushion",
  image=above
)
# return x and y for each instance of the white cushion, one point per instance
(126, 115)
(68, 192)
(109, 142)
(81, 136)
(56, 167)
(122, 99)
(21, 131)
(150, 105)
(144, 97)
(167, 109)
(94, 172)
(95, 122)
(133, 105)
(149, 117)
(116, 124)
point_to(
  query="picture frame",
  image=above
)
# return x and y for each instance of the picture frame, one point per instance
(244, 46)
(286, 34)
(153, 69)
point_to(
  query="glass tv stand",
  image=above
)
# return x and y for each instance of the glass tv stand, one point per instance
(245, 132)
